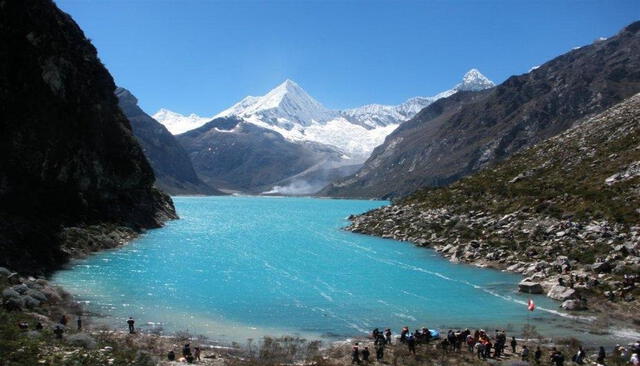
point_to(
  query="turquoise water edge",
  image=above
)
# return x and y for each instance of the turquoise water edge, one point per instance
(234, 268)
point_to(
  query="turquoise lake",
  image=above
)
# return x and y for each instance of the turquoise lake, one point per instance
(234, 268)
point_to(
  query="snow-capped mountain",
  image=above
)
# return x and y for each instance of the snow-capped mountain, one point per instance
(286, 141)
(375, 115)
(285, 106)
(294, 114)
(177, 123)
(298, 117)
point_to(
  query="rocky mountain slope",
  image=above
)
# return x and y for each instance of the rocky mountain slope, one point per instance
(170, 162)
(71, 172)
(235, 155)
(445, 142)
(566, 208)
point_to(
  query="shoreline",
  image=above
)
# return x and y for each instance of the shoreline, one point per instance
(398, 222)
(217, 352)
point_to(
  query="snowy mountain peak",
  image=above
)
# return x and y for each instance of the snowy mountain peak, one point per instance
(285, 106)
(177, 123)
(376, 115)
(474, 80)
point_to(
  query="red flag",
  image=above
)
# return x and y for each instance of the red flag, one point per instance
(531, 306)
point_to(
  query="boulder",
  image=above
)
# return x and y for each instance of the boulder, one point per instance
(561, 293)
(14, 303)
(4, 272)
(21, 288)
(36, 295)
(10, 293)
(601, 267)
(530, 287)
(573, 305)
(51, 294)
(30, 302)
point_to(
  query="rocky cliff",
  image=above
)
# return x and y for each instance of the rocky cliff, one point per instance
(564, 211)
(71, 171)
(447, 141)
(170, 162)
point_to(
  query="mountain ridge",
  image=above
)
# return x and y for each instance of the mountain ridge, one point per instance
(445, 142)
(561, 210)
(170, 163)
(471, 80)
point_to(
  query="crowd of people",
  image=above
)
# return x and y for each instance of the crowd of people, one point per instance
(484, 346)
(478, 342)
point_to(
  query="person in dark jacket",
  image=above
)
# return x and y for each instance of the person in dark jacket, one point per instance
(355, 355)
(525, 353)
(537, 355)
(514, 344)
(186, 350)
(579, 356)
(601, 355)
(411, 343)
(58, 331)
(130, 323)
(557, 358)
(380, 352)
(365, 354)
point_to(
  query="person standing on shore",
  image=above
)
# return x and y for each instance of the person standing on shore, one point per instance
(196, 353)
(579, 357)
(411, 342)
(79, 323)
(403, 334)
(557, 358)
(186, 350)
(131, 322)
(525, 353)
(537, 355)
(514, 344)
(58, 331)
(387, 335)
(64, 320)
(365, 355)
(470, 343)
(601, 356)
(355, 355)
(380, 352)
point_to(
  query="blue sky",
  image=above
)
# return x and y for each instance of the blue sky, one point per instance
(202, 56)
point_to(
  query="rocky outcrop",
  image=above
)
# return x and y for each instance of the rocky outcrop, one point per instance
(69, 158)
(530, 287)
(462, 134)
(171, 165)
(546, 212)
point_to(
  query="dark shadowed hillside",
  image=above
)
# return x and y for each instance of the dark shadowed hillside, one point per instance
(69, 158)
(233, 154)
(462, 134)
(171, 165)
